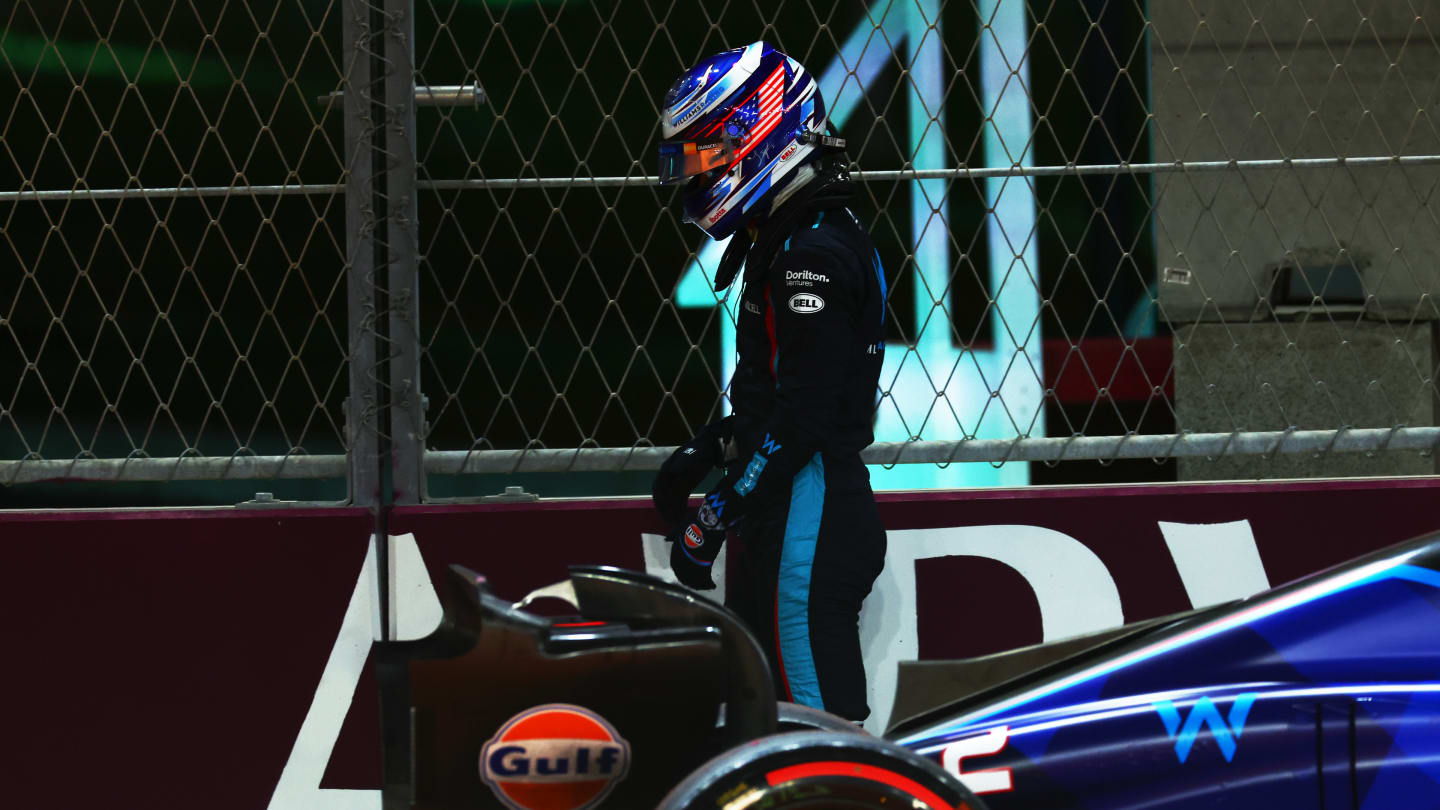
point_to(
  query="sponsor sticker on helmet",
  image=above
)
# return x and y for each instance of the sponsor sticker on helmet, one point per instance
(806, 303)
(554, 757)
(789, 152)
(693, 537)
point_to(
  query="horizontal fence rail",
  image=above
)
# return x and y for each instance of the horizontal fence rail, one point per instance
(879, 175)
(61, 195)
(1068, 170)
(184, 468)
(615, 459)
(619, 459)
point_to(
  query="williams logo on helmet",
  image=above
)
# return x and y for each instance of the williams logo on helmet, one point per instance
(806, 303)
(554, 757)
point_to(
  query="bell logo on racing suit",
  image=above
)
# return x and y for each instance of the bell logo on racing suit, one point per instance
(554, 757)
(805, 303)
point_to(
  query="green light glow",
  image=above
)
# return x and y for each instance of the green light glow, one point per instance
(114, 61)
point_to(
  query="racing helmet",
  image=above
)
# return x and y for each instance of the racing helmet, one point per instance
(734, 127)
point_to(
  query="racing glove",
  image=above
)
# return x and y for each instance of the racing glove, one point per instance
(682, 473)
(694, 546)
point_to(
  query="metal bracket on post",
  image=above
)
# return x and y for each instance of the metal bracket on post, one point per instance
(439, 95)
(510, 495)
(266, 500)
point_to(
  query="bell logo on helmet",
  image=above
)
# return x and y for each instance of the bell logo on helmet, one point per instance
(789, 152)
(554, 757)
(806, 303)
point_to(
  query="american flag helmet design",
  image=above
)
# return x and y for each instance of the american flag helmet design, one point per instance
(733, 128)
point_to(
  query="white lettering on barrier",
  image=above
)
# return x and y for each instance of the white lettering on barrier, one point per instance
(415, 613)
(1076, 593)
(1217, 561)
(1073, 587)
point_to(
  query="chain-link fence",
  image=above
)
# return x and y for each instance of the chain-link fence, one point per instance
(1195, 235)
(1113, 231)
(172, 301)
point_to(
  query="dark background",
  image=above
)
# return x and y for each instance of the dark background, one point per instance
(170, 327)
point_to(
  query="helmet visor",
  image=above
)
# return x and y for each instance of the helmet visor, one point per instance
(680, 160)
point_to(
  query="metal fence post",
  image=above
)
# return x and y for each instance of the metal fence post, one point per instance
(362, 406)
(406, 409)
(365, 246)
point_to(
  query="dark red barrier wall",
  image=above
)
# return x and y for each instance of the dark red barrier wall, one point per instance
(170, 657)
(167, 658)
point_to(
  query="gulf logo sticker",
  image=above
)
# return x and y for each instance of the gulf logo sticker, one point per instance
(693, 538)
(554, 757)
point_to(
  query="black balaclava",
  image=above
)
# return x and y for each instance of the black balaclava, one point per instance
(829, 187)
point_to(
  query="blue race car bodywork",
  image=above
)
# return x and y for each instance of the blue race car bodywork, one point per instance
(1324, 693)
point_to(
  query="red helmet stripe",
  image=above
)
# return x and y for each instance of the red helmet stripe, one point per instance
(771, 94)
(736, 107)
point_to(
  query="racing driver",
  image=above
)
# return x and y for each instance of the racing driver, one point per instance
(744, 131)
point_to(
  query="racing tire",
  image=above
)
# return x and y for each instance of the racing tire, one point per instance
(795, 717)
(820, 769)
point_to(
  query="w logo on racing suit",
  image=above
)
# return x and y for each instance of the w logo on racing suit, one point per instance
(1202, 714)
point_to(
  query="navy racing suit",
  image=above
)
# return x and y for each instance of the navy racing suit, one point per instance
(806, 539)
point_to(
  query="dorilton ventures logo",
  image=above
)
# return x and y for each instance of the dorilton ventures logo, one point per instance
(806, 275)
(554, 757)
